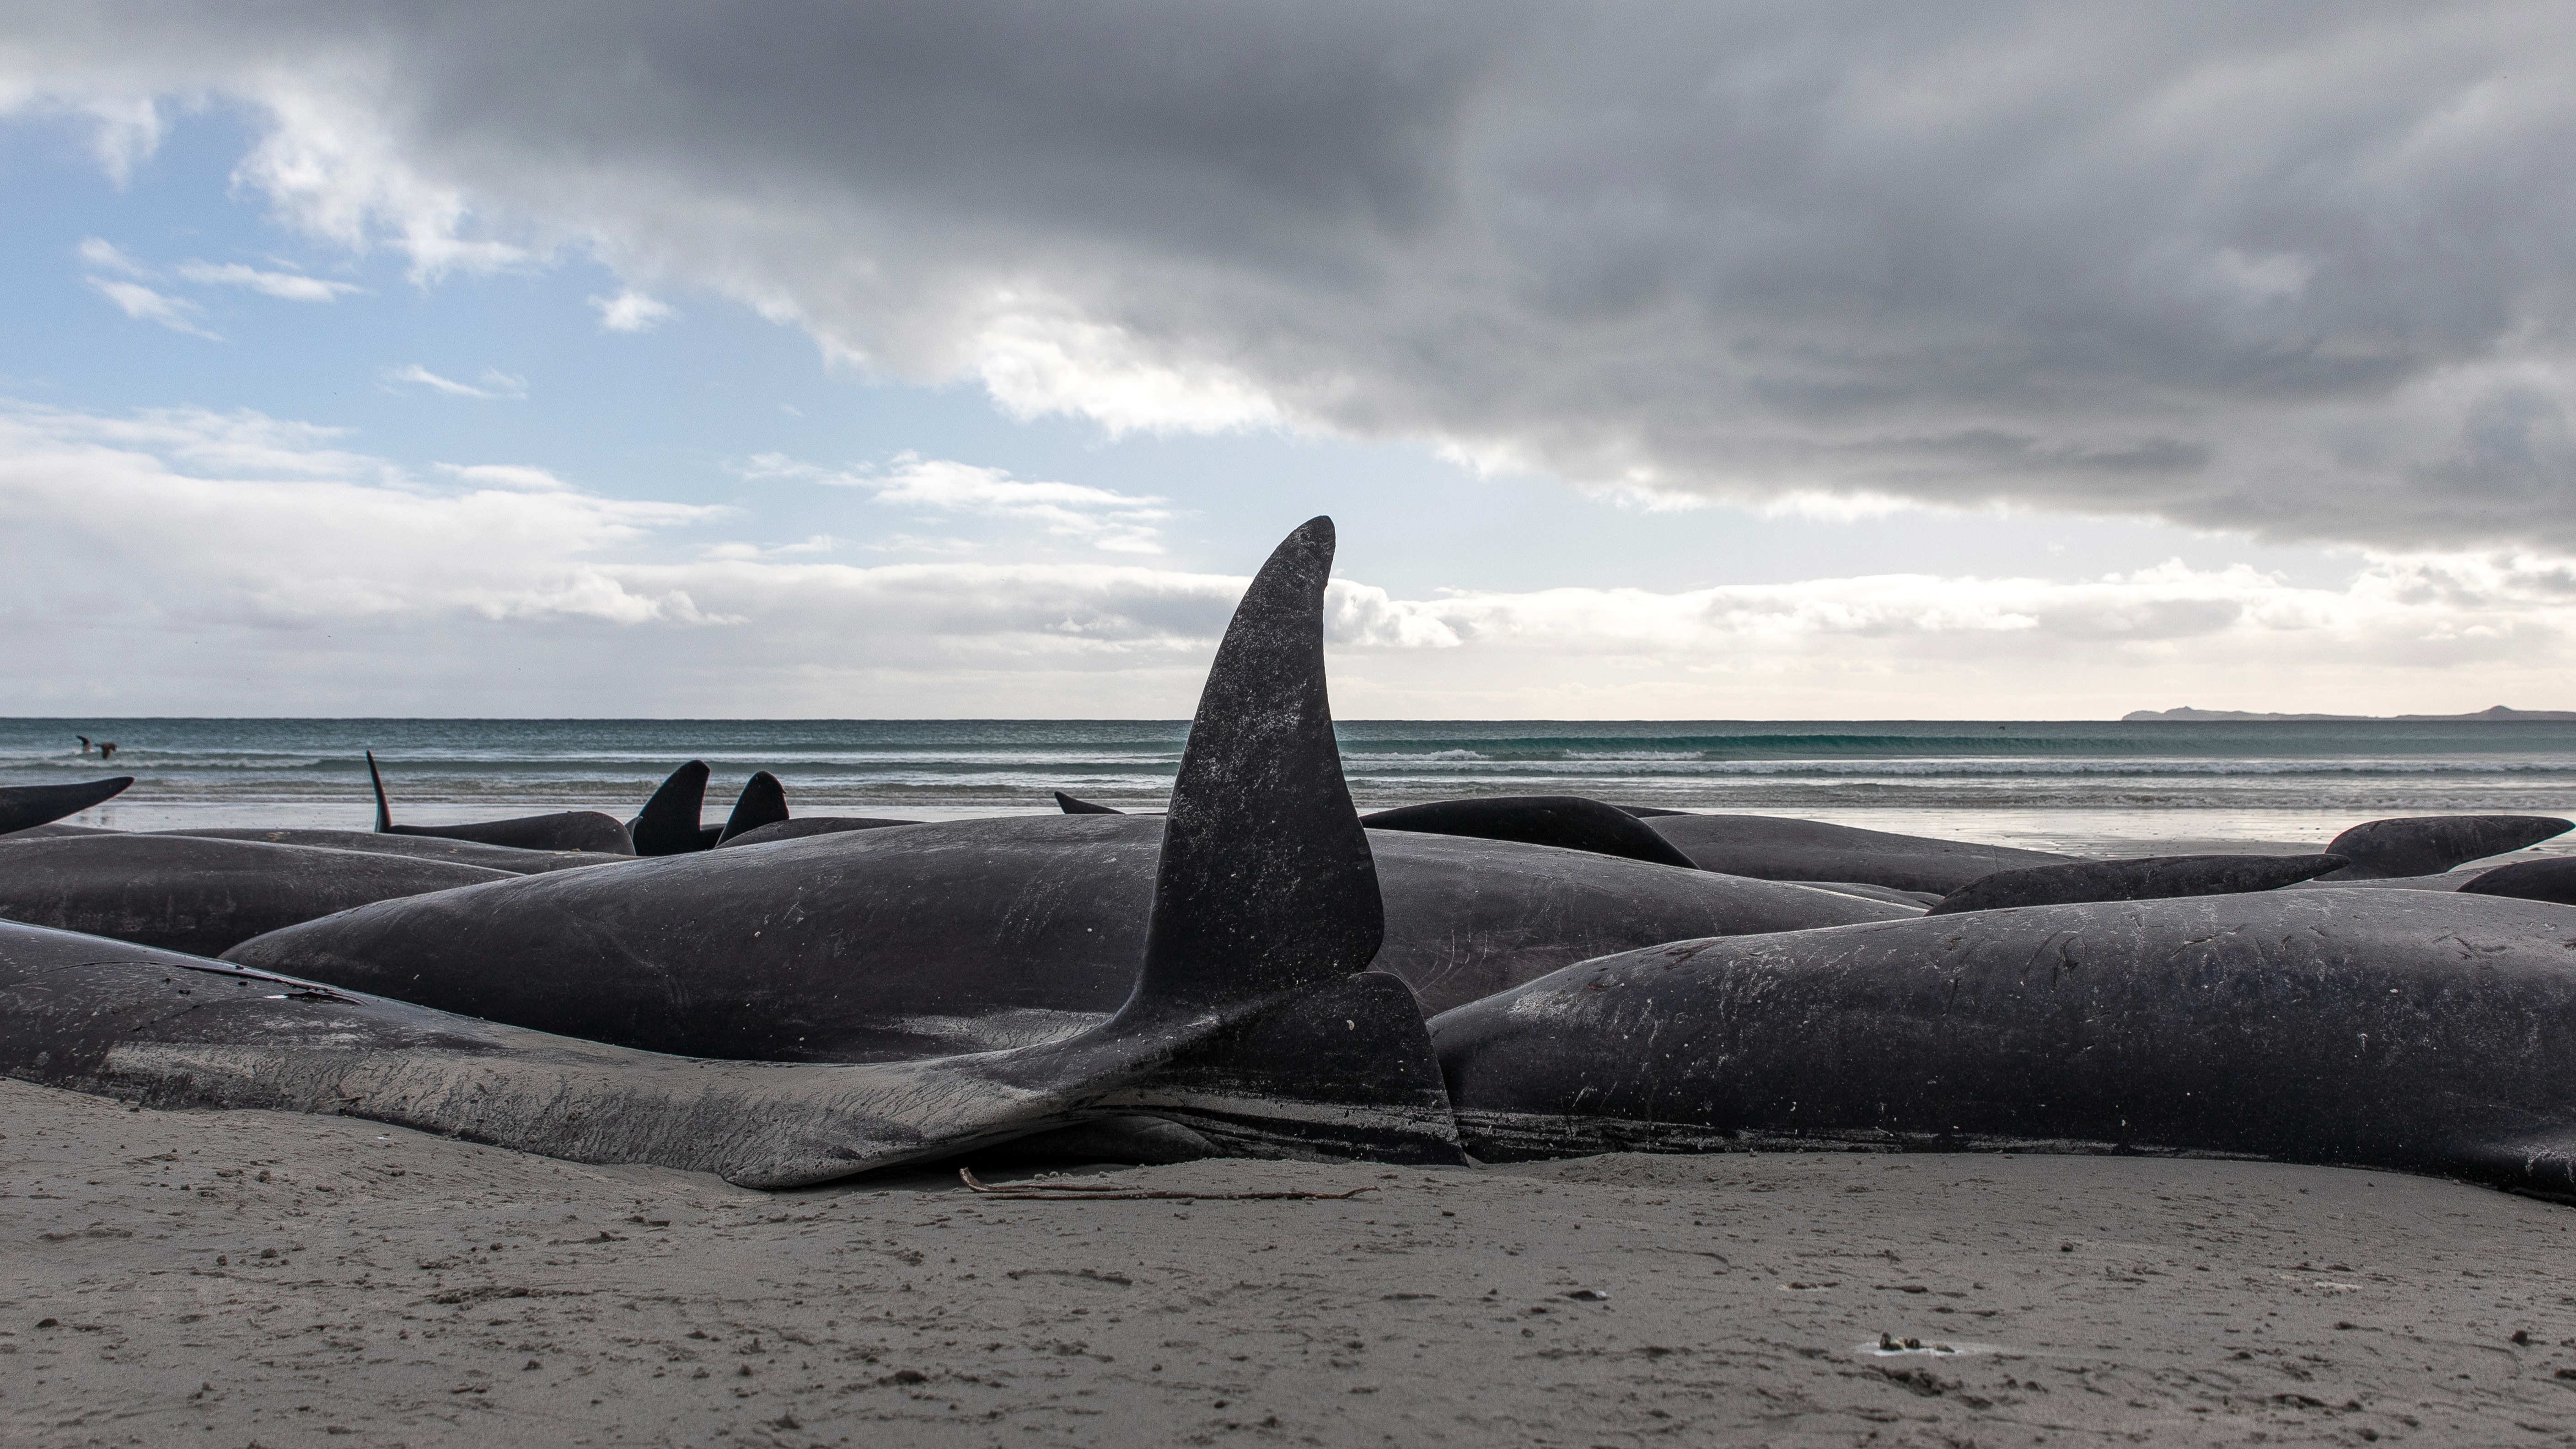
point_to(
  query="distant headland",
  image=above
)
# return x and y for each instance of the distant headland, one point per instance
(2187, 715)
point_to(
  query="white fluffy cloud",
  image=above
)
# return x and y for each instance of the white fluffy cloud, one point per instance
(1105, 519)
(2297, 270)
(128, 290)
(632, 311)
(143, 304)
(188, 562)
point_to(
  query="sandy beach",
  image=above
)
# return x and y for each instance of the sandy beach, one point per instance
(243, 1278)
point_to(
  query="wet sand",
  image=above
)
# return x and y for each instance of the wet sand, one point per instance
(223, 1279)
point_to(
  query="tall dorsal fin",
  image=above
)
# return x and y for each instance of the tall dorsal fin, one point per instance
(1266, 883)
(384, 812)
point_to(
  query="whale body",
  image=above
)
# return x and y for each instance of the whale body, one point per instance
(2400, 1029)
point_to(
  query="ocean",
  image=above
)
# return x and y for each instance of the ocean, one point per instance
(2087, 787)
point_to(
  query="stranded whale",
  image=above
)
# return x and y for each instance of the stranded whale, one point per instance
(1774, 848)
(182, 893)
(2393, 1029)
(808, 825)
(1251, 1021)
(2422, 845)
(1568, 822)
(2146, 878)
(508, 859)
(564, 830)
(931, 937)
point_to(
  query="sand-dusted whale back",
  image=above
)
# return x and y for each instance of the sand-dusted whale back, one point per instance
(803, 826)
(2143, 878)
(2396, 1029)
(507, 859)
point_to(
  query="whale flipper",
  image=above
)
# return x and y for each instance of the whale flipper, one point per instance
(24, 807)
(1071, 806)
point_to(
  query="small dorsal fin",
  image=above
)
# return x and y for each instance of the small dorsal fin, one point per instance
(763, 802)
(384, 813)
(669, 822)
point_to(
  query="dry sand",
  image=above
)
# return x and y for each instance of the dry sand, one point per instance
(221, 1279)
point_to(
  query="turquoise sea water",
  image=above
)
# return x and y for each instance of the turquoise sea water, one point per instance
(2077, 785)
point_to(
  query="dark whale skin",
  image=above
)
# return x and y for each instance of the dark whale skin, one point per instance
(508, 859)
(798, 829)
(2399, 1029)
(921, 937)
(1769, 847)
(24, 807)
(2144, 878)
(183, 893)
(2419, 845)
(1568, 822)
(2552, 880)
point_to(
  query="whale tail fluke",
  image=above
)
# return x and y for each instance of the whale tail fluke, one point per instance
(1343, 1071)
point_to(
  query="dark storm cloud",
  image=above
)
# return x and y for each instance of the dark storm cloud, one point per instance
(2299, 269)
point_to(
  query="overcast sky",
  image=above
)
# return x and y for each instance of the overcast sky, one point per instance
(1858, 360)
